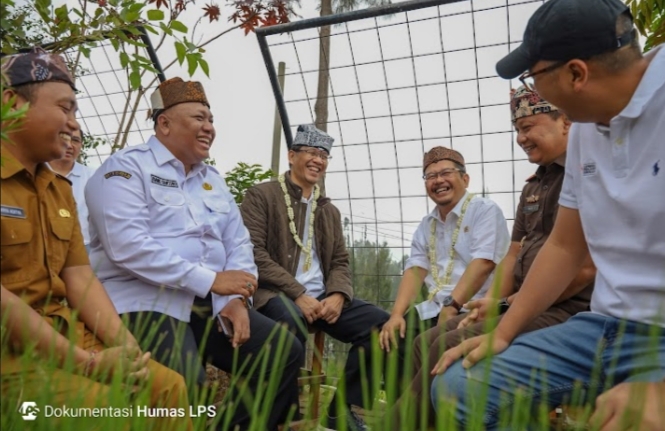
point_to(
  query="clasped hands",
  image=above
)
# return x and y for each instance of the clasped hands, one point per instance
(328, 309)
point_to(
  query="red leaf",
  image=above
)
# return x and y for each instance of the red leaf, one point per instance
(159, 3)
(212, 12)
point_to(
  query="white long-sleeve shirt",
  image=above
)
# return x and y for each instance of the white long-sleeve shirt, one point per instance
(483, 235)
(158, 236)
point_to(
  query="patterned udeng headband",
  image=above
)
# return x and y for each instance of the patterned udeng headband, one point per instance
(525, 103)
(34, 66)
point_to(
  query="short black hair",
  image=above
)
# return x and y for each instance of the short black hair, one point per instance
(555, 115)
(28, 91)
(461, 168)
(622, 58)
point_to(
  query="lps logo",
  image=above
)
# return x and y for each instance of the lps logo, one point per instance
(29, 410)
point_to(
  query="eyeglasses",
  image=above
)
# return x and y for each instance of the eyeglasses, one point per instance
(313, 153)
(445, 174)
(529, 85)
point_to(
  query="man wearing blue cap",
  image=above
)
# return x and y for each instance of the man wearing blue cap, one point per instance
(304, 274)
(583, 56)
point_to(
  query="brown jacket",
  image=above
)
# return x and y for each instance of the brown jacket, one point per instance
(275, 251)
(534, 221)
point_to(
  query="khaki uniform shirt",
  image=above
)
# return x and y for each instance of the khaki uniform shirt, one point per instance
(40, 236)
(534, 221)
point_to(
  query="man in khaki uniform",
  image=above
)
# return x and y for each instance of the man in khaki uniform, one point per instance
(45, 272)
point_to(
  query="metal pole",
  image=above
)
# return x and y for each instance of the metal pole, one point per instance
(277, 128)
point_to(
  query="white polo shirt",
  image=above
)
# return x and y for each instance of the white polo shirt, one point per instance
(158, 236)
(615, 177)
(79, 176)
(483, 235)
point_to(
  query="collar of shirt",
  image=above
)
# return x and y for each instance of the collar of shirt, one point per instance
(163, 156)
(559, 162)
(652, 80)
(11, 166)
(457, 210)
(76, 171)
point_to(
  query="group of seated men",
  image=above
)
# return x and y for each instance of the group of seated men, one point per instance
(183, 276)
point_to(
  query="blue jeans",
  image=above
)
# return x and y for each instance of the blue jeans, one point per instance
(587, 354)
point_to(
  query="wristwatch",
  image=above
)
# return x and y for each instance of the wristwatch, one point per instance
(503, 305)
(449, 301)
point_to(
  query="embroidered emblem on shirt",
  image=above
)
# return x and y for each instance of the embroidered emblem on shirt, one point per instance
(64, 213)
(528, 209)
(656, 168)
(14, 212)
(532, 199)
(125, 175)
(589, 169)
(163, 181)
(207, 186)
(466, 229)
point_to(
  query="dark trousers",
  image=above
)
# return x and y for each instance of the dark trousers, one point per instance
(354, 326)
(176, 344)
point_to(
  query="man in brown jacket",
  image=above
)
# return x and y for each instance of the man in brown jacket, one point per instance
(304, 275)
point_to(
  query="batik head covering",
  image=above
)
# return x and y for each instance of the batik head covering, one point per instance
(174, 91)
(437, 154)
(34, 66)
(309, 136)
(524, 103)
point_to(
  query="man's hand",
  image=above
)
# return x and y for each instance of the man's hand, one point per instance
(236, 312)
(387, 335)
(128, 361)
(475, 349)
(478, 310)
(635, 406)
(310, 307)
(234, 282)
(331, 308)
(446, 314)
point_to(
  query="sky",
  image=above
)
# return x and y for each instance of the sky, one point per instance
(399, 85)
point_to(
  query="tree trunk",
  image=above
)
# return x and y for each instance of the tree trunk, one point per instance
(321, 105)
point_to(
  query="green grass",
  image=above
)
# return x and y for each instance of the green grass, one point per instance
(377, 399)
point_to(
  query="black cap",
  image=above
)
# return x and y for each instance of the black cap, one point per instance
(562, 30)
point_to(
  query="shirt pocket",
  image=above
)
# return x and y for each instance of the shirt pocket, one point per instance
(15, 252)
(167, 210)
(218, 211)
(58, 246)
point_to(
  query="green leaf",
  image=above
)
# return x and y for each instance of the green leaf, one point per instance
(155, 15)
(204, 67)
(85, 51)
(136, 7)
(135, 80)
(124, 59)
(192, 64)
(166, 29)
(115, 43)
(150, 28)
(180, 51)
(178, 26)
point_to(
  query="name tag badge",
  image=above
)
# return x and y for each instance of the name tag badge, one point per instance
(14, 212)
(529, 209)
(163, 181)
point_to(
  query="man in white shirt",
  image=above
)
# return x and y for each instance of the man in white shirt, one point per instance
(454, 250)
(166, 235)
(583, 56)
(79, 175)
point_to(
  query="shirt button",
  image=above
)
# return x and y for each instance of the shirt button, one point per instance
(168, 198)
(545, 187)
(289, 256)
(519, 260)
